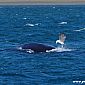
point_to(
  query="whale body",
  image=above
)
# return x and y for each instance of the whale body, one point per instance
(37, 47)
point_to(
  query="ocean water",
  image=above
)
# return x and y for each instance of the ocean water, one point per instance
(42, 24)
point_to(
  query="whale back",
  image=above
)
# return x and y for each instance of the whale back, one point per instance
(37, 47)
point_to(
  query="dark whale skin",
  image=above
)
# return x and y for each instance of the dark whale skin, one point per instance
(37, 47)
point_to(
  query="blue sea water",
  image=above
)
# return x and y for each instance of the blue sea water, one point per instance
(42, 24)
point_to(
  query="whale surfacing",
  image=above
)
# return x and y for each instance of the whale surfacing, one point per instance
(37, 47)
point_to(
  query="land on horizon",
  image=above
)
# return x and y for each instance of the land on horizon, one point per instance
(42, 1)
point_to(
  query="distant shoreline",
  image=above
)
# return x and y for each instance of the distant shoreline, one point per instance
(38, 3)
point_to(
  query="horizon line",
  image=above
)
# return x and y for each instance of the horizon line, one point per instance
(42, 3)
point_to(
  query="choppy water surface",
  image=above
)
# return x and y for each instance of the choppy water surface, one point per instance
(25, 24)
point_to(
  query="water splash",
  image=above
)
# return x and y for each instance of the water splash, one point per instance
(31, 25)
(63, 23)
(80, 30)
(59, 49)
(27, 50)
(24, 18)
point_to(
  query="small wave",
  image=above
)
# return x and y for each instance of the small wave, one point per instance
(24, 18)
(80, 30)
(14, 74)
(24, 8)
(53, 7)
(19, 48)
(1, 7)
(63, 23)
(16, 14)
(37, 24)
(31, 25)
(70, 9)
(59, 49)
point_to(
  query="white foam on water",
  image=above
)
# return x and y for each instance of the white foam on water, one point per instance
(37, 24)
(63, 23)
(31, 25)
(25, 18)
(46, 17)
(54, 7)
(16, 14)
(27, 50)
(19, 48)
(79, 30)
(59, 49)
